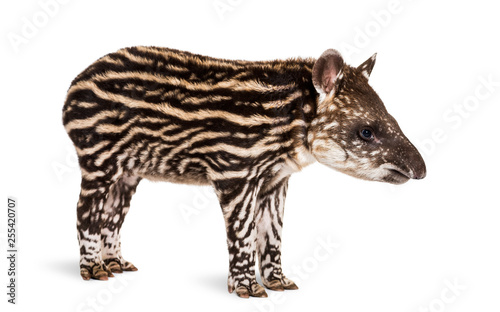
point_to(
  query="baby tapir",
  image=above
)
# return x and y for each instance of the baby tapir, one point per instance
(242, 127)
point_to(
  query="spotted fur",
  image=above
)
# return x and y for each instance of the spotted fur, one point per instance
(242, 127)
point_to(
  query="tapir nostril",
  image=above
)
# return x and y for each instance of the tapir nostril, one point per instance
(420, 173)
(417, 165)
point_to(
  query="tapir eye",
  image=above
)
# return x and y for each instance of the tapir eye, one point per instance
(366, 134)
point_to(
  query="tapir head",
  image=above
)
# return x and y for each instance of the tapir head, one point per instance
(352, 131)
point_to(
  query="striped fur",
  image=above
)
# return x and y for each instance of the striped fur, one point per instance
(242, 127)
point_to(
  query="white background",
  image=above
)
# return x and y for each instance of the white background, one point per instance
(397, 248)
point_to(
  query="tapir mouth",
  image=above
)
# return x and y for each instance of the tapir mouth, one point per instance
(395, 175)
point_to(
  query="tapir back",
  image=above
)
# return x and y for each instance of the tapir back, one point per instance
(186, 117)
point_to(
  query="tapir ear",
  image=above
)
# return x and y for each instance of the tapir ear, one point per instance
(326, 71)
(367, 66)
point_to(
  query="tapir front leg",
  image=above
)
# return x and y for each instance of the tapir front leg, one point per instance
(238, 201)
(269, 219)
